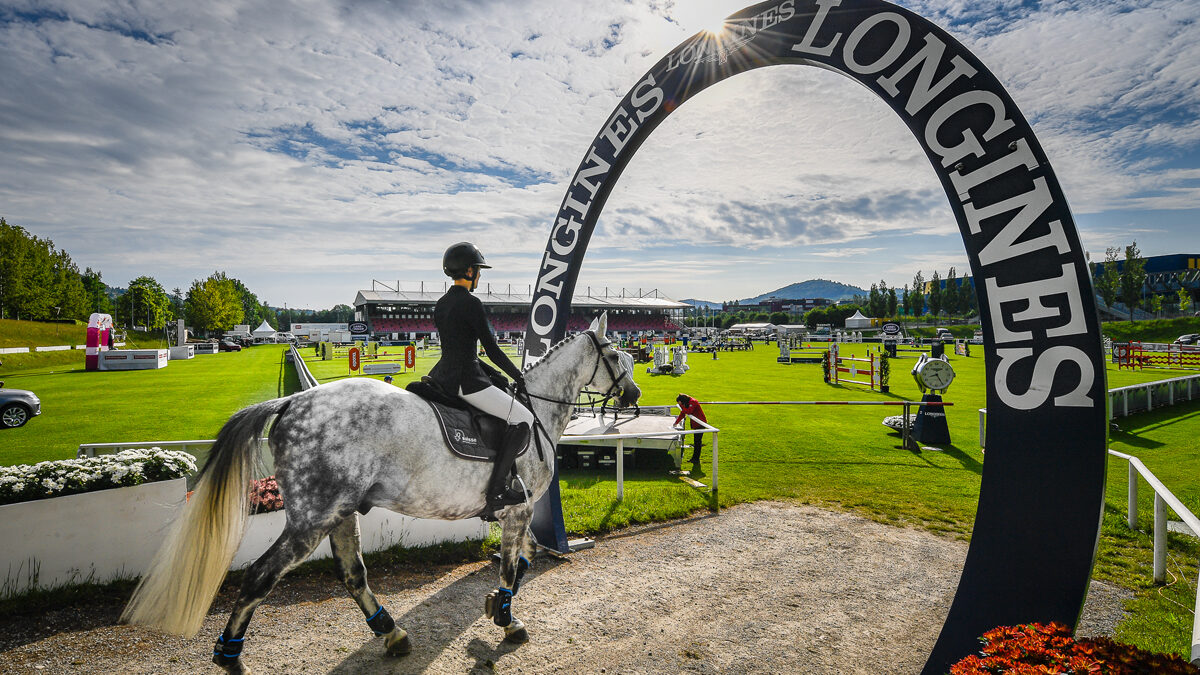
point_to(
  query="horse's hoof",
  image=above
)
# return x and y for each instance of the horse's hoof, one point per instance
(515, 633)
(235, 667)
(397, 642)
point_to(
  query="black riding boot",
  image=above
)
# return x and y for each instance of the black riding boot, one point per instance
(499, 493)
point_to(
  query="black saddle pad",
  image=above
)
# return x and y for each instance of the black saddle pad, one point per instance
(469, 433)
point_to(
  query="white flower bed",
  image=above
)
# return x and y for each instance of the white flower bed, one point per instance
(43, 480)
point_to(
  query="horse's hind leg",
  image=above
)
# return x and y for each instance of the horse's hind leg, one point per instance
(516, 552)
(289, 550)
(347, 552)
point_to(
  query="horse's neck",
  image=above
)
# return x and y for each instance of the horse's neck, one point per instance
(559, 376)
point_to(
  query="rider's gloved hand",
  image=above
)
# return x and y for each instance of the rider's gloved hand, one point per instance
(519, 383)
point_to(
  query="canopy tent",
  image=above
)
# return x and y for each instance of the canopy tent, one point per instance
(858, 321)
(263, 331)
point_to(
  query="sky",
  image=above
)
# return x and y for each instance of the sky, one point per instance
(308, 148)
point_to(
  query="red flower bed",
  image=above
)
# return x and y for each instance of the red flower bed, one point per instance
(1038, 648)
(264, 495)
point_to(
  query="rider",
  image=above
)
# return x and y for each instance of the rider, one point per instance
(461, 323)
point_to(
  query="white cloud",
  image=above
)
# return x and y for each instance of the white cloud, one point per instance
(355, 140)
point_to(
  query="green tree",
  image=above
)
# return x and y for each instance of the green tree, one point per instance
(213, 304)
(97, 293)
(1185, 299)
(1108, 281)
(906, 301)
(1156, 303)
(779, 318)
(918, 294)
(892, 302)
(144, 302)
(67, 292)
(873, 300)
(935, 296)
(950, 294)
(1133, 278)
(967, 302)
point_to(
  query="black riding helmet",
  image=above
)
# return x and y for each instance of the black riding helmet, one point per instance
(461, 257)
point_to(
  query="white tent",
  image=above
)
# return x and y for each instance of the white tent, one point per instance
(264, 331)
(858, 321)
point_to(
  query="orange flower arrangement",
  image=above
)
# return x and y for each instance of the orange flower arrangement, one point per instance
(1050, 649)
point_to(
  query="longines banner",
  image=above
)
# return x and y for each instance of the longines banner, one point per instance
(1042, 487)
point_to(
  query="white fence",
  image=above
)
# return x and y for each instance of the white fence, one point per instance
(1162, 499)
(307, 381)
(1124, 401)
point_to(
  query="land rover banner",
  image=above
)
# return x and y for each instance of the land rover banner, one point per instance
(1042, 484)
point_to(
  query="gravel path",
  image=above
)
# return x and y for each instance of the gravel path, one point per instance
(762, 588)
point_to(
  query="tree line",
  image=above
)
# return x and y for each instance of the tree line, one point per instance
(39, 282)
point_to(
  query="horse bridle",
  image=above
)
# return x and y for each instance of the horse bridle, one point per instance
(605, 396)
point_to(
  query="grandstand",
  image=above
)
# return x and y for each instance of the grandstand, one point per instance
(393, 312)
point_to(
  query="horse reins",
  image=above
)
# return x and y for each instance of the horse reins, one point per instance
(606, 396)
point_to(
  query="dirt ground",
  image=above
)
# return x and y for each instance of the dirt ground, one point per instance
(761, 588)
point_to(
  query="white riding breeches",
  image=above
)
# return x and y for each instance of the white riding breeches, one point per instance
(497, 402)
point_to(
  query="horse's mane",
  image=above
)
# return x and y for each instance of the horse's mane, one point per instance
(553, 348)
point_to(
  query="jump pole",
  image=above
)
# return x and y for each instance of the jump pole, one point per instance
(905, 431)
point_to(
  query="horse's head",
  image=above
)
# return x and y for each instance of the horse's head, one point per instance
(614, 373)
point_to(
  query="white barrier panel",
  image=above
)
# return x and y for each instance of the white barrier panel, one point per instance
(206, 347)
(183, 352)
(379, 529)
(96, 536)
(57, 348)
(134, 359)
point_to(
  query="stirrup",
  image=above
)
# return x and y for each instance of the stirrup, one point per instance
(509, 497)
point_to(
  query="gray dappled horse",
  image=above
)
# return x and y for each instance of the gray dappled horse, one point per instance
(341, 449)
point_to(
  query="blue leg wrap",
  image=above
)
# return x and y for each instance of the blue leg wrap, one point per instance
(227, 650)
(381, 622)
(502, 607)
(522, 565)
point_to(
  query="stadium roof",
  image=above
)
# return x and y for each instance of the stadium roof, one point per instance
(496, 295)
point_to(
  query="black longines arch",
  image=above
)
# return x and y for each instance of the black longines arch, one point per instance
(1042, 491)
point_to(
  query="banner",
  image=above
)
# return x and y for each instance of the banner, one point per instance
(1042, 488)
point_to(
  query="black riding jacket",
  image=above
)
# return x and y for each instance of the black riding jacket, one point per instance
(461, 323)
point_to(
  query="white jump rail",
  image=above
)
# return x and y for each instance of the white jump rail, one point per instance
(704, 428)
(1162, 499)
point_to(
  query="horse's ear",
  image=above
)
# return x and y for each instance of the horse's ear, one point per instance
(600, 325)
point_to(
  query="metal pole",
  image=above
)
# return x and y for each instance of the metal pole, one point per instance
(1160, 539)
(1132, 517)
(620, 469)
(716, 503)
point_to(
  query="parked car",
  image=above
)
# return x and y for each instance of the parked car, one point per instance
(229, 346)
(1188, 339)
(944, 334)
(17, 406)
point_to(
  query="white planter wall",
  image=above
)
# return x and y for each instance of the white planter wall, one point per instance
(95, 536)
(379, 529)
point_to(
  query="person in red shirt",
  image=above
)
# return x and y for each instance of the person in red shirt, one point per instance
(690, 406)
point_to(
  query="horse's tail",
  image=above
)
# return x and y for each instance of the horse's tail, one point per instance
(177, 589)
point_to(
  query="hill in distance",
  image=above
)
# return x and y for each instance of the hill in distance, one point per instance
(813, 288)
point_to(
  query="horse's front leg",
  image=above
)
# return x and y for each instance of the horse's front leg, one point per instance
(516, 552)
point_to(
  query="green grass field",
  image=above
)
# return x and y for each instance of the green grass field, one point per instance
(837, 457)
(187, 400)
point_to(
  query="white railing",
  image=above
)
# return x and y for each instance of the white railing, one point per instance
(93, 449)
(1162, 499)
(307, 381)
(1183, 386)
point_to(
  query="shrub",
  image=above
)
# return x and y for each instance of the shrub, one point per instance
(25, 482)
